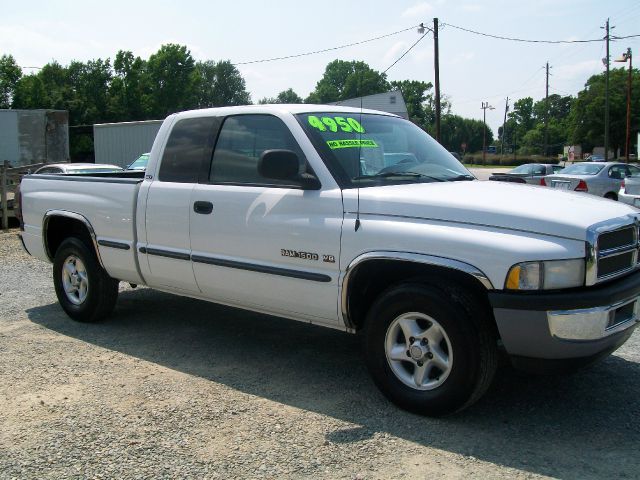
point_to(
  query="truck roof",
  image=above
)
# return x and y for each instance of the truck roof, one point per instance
(280, 108)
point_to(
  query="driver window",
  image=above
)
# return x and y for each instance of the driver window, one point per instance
(242, 139)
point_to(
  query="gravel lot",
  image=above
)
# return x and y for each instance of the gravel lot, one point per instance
(177, 388)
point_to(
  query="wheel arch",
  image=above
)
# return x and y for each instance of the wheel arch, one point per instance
(58, 225)
(371, 273)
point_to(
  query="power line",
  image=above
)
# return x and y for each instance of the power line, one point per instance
(524, 40)
(408, 50)
(273, 59)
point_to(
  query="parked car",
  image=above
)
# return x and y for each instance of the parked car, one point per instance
(531, 173)
(630, 191)
(596, 158)
(140, 163)
(64, 169)
(69, 168)
(601, 179)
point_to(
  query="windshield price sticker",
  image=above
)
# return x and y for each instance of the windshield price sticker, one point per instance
(347, 124)
(333, 144)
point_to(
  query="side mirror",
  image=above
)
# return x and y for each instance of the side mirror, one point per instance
(285, 165)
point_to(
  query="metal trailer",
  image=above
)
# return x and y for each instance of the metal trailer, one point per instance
(121, 143)
(34, 136)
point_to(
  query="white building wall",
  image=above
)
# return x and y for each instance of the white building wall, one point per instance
(121, 143)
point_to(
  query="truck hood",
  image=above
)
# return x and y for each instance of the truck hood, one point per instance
(494, 204)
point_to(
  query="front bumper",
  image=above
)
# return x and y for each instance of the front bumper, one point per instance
(572, 327)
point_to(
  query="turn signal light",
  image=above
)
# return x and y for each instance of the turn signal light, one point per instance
(582, 187)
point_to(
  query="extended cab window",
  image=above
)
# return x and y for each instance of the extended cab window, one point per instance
(190, 143)
(242, 140)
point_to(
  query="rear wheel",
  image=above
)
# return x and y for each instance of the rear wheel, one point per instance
(430, 348)
(84, 289)
(611, 196)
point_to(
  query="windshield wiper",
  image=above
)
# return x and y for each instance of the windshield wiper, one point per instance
(398, 174)
(464, 176)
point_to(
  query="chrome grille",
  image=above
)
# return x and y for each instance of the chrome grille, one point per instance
(612, 249)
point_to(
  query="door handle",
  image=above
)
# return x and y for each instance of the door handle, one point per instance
(203, 208)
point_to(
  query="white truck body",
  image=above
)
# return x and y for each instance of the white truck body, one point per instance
(292, 252)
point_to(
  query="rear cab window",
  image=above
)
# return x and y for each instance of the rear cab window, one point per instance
(188, 150)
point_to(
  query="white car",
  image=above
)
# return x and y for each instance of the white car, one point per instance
(71, 168)
(600, 179)
(630, 191)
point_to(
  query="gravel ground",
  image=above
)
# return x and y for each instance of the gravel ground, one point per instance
(176, 388)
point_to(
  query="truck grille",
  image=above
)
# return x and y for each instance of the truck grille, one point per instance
(614, 250)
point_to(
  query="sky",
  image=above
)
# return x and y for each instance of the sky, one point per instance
(473, 68)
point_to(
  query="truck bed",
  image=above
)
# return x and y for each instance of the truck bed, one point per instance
(108, 202)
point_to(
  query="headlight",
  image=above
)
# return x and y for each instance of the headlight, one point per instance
(548, 275)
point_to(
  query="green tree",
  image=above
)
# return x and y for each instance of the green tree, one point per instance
(10, 74)
(220, 84)
(416, 95)
(172, 78)
(456, 131)
(286, 96)
(347, 79)
(30, 93)
(129, 90)
(586, 121)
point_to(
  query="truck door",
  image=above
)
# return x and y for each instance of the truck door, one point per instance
(259, 242)
(167, 248)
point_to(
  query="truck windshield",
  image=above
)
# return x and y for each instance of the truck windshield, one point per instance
(363, 150)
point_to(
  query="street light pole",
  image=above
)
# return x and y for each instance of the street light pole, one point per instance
(627, 56)
(484, 107)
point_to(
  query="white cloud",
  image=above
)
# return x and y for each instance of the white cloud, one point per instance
(395, 51)
(418, 10)
(462, 58)
(471, 7)
(577, 70)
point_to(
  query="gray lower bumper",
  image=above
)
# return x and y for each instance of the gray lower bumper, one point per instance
(574, 324)
(529, 333)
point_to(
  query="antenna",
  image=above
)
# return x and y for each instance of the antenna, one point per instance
(357, 226)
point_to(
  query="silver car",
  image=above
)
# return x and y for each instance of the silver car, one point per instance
(531, 173)
(66, 168)
(630, 191)
(601, 179)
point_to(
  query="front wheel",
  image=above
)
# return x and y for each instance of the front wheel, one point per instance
(84, 289)
(430, 349)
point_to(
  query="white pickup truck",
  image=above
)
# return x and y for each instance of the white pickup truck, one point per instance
(356, 220)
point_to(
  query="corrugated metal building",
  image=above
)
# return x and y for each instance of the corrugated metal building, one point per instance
(121, 143)
(391, 102)
(34, 136)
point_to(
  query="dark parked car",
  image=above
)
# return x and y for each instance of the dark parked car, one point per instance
(531, 173)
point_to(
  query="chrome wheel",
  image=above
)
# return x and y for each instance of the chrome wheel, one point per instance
(75, 280)
(418, 351)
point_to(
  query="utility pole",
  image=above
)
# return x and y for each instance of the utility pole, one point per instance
(504, 125)
(436, 66)
(627, 56)
(484, 107)
(606, 96)
(546, 115)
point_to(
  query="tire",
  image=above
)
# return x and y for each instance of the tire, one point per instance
(611, 196)
(440, 315)
(84, 289)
